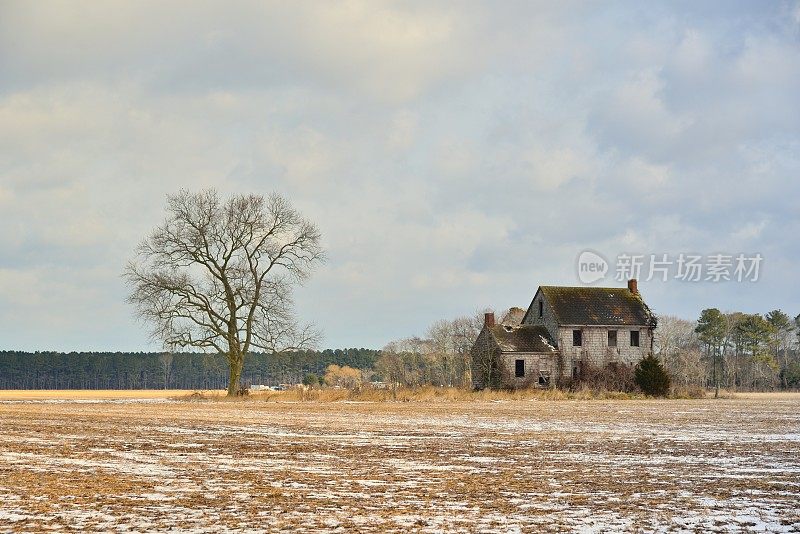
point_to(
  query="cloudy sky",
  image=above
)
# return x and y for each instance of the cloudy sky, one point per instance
(455, 155)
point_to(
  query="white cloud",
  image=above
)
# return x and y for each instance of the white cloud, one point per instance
(305, 157)
(552, 167)
(693, 54)
(767, 62)
(402, 130)
(637, 114)
(454, 155)
(750, 231)
(646, 178)
(388, 52)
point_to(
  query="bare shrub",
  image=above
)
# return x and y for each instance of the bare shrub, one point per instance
(199, 396)
(343, 377)
(613, 376)
(195, 396)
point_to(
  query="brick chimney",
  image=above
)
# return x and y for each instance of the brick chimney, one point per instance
(488, 319)
(633, 287)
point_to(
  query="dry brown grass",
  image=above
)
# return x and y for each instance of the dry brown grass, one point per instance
(95, 394)
(449, 394)
(433, 394)
(769, 395)
(477, 465)
(420, 394)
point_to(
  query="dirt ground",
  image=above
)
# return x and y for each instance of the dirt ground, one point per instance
(157, 464)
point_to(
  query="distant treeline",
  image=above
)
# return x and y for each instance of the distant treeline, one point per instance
(736, 350)
(142, 370)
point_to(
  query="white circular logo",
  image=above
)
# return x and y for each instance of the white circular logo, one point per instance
(591, 267)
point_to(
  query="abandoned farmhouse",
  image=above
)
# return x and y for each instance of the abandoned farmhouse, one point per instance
(563, 330)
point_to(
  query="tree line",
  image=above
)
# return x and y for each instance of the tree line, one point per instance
(441, 358)
(166, 370)
(732, 350)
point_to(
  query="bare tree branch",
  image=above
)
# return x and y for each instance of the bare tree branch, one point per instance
(219, 275)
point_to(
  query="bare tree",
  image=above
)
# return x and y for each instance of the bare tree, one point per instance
(672, 336)
(166, 358)
(442, 354)
(444, 357)
(345, 377)
(465, 331)
(392, 367)
(217, 275)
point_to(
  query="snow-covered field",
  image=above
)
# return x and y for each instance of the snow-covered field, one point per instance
(700, 465)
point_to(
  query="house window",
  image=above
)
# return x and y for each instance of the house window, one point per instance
(634, 338)
(577, 338)
(544, 378)
(541, 308)
(612, 338)
(519, 369)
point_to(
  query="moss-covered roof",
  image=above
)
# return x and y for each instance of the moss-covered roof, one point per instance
(597, 306)
(523, 338)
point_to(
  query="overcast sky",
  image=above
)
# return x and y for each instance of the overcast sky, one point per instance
(454, 155)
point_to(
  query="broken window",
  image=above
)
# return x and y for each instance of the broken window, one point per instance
(634, 338)
(612, 338)
(544, 378)
(519, 369)
(577, 338)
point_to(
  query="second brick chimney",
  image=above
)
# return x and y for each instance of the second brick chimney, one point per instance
(633, 286)
(488, 319)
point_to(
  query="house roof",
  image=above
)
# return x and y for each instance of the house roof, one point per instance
(609, 306)
(524, 338)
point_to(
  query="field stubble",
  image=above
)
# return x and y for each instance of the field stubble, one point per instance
(524, 465)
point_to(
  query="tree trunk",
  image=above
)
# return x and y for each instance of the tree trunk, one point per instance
(234, 383)
(716, 375)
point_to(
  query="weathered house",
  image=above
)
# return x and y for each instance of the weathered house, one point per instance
(564, 330)
(515, 356)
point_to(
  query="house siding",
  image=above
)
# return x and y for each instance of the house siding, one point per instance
(594, 349)
(535, 362)
(548, 318)
(489, 361)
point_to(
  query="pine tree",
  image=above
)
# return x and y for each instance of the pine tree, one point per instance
(651, 377)
(711, 327)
